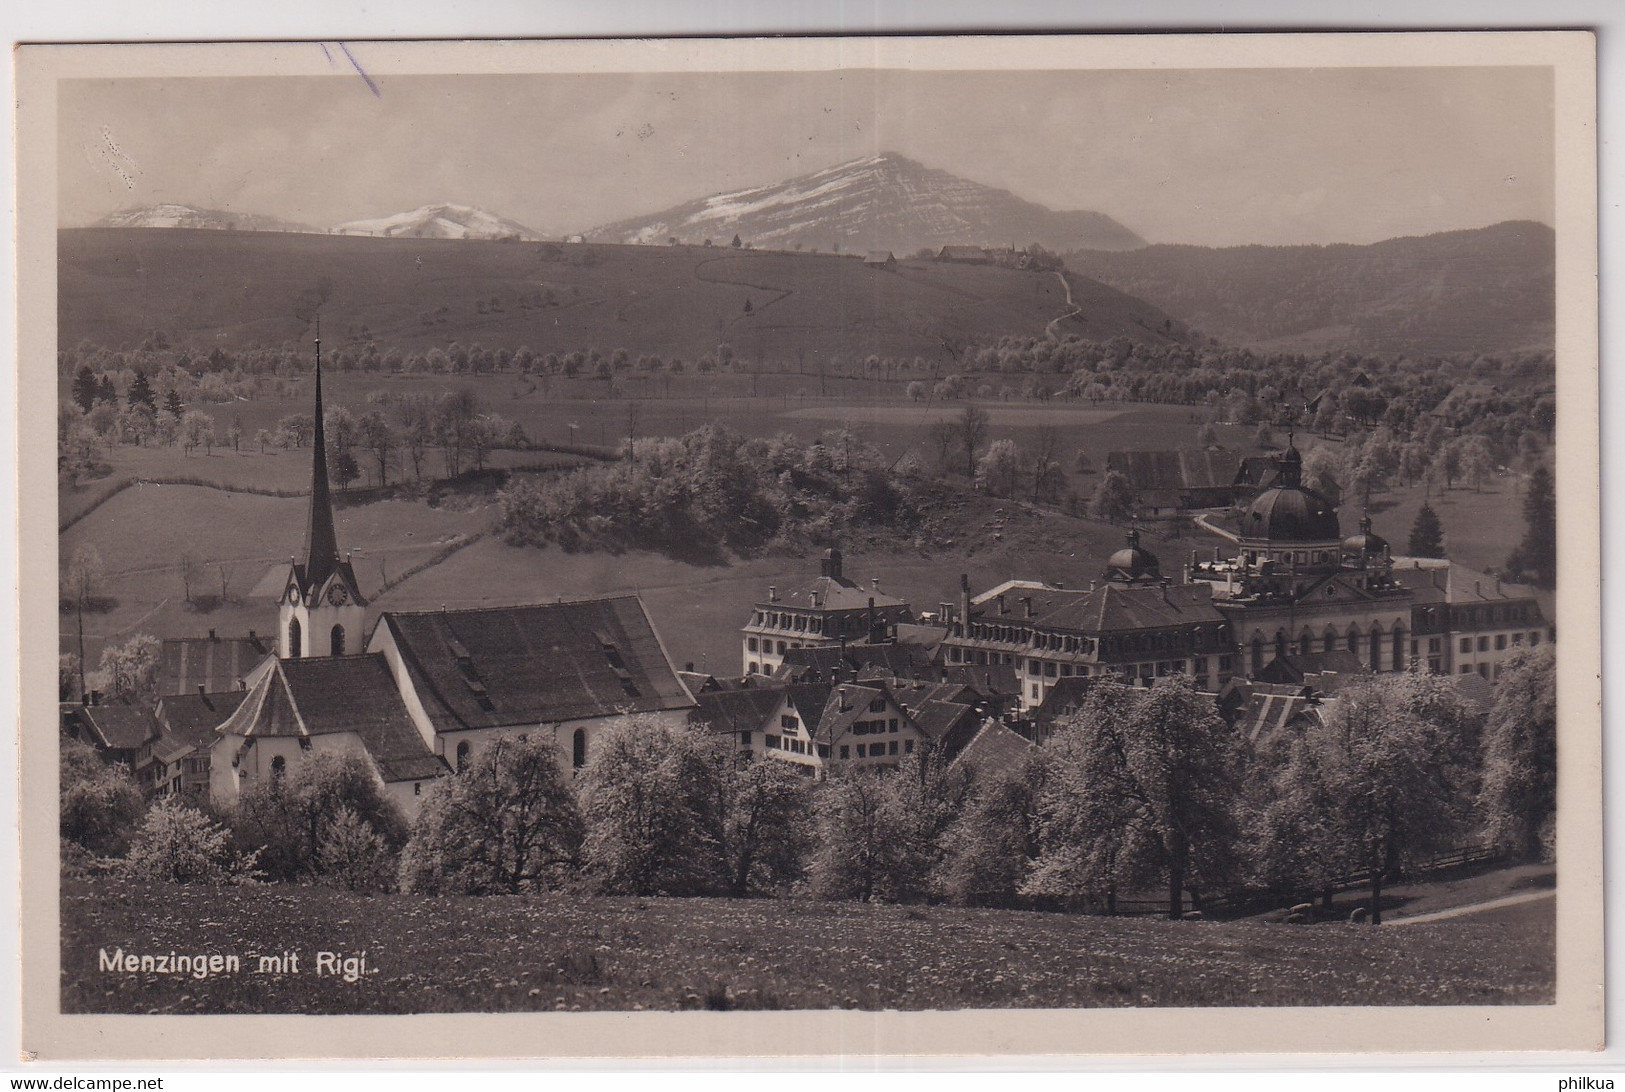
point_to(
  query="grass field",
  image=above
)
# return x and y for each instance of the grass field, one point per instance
(551, 952)
(242, 289)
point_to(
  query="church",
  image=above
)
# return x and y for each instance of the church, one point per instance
(426, 690)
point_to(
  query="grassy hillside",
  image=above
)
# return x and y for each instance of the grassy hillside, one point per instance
(1484, 291)
(241, 289)
(553, 952)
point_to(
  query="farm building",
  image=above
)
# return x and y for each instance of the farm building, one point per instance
(1171, 481)
(970, 255)
(880, 259)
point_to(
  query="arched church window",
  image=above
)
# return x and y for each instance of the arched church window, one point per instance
(1280, 644)
(279, 766)
(1354, 640)
(294, 651)
(1376, 647)
(1399, 648)
(462, 756)
(1329, 641)
(338, 640)
(578, 749)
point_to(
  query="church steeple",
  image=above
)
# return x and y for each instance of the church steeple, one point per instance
(322, 608)
(321, 541)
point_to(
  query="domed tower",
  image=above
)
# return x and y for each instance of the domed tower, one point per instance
(1366, 550)
(1133, 564)
(1290, 525)
(322, 610)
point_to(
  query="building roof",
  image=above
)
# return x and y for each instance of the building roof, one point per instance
(938, 718)
(995, 749)
(878, 257)
(217, 664)
(1293, 669)
(1288, 512)
(993, 680)
(736, 710)
(1119, 608)
(120, 723)
(834, 593)
(500, 666)
(194, 717)
(963, 254)
(1457, 584)
(887, 660)
(1270, 708)
(1176, 471)
(332, 695)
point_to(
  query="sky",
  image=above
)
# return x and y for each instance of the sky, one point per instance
(1211, 157)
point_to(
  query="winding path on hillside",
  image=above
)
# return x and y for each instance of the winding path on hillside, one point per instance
(1077, 309)
(1472, 908)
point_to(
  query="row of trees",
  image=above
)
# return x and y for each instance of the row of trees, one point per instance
(1142, 789)
(712, 491)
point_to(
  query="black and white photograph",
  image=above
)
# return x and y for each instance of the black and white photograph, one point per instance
(769, 537)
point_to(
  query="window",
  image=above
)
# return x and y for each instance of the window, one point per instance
(1049, 670)
(1534, 639)
(1483, 644)
(754, 668)
(462, 756)
(908, 746)
(278, 767)
(846, 752)
(1038, 692)
(578, 749)
(788, 723)
(1033, 668)
(1484, 671)
(1500, 641)
(1433, 644)
(771, 742)
(338, 640)
(1466, 669)
(878, 705)
(1517, 638)
(417, 788)
(893, 748)
(891, 725)
(781, 648)
(1466, 644)
(750, 644)
(861, 749)
(823, 750)
(745, 738)
(294, 651)
(953, 654)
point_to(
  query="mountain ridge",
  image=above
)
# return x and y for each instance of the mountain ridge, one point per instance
(879, 202)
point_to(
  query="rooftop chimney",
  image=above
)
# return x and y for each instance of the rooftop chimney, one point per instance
(772, 593)
(211, 635)
(201, 690)
(874, 582)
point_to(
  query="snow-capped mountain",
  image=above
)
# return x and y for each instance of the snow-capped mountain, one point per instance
(440, 222)
(881, 202)
(186, 216)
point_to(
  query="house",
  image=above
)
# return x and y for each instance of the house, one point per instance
(995, 751)
(880, 259)
(832, 609)
(121, 729)
(1474, 621)
(187, 724)
(970, 255)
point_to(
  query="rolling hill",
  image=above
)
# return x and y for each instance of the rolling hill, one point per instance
(1486, 290)
(188, 216)
(882, 202)
(243, 289)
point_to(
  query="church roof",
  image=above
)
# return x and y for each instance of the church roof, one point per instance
(500, 666)
(1288, 512)
(321, 540)
(332, 695)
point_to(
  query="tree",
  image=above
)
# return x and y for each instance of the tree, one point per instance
(916, 391)
(84, 388)
(1535, 558)
(286, 818)
(1113, 499)
(100, 804)
(736, 243)
(1427, 534)
(1045, 466)
(140, 393)
(188, 564)
(380, 441)
(173, 404)
(80, 583)
(1477, 461)
(1207, 435)
(509, 822)
(196, 430)
(650, 794)
(178, 844)
(1393, 759)
(765, 832)
(1519, 793)
(973, 424)
(990, 846)
(998, 469)
(1141, 785)
(351, 855)
(853, 826)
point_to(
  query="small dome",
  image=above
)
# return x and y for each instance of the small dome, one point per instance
(1367, 542)
(1132, 563)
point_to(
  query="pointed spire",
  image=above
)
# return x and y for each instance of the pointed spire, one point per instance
(321, 542)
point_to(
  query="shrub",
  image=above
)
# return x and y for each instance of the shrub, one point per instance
(178, 844)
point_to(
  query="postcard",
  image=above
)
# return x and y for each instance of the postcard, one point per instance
(810, 547)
